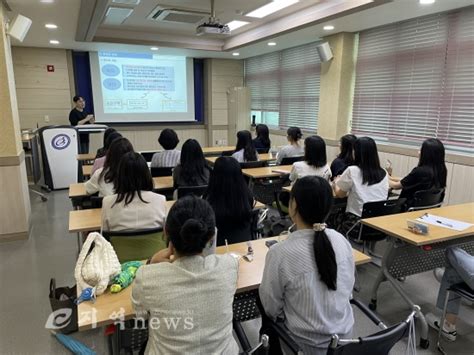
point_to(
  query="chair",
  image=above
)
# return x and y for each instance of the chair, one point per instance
(96, 201)
(425, 199)
(253, 164)
(463, 291)
(262, 150)
(147, 155)
(375, 209)
(161, 171)
(191, 190)
(291, 160)
(137, 244)
(243, 232)
(379, 343)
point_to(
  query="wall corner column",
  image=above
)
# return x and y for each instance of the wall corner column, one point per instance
(15, 210)
(337, 87)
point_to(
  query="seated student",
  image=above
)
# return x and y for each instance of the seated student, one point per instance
(102, 151)
(181, 283)
(293, 149)
(459, 268)
(99, 162)
(231, 200)
(245, 150)
(168, 158)
(262, 142)
(346, 155)
(308, 278)
(134, 204)
(315, 160)
(430, 173)
(365, 181)
(192, 169)
(102, 181)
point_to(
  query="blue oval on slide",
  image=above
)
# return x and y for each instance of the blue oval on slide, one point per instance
(110, 70)
(112, 84)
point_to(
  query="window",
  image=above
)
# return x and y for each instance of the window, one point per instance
(414, 80)
(284, 87)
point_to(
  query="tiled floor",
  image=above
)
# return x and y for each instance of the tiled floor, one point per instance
(27, 266)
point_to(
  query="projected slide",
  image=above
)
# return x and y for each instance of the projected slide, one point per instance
(142, 83)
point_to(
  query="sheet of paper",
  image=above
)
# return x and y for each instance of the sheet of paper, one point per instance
(444, 222)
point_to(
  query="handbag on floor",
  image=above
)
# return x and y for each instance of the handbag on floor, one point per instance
(64, 316)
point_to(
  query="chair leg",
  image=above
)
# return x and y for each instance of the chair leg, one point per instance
(239, 331)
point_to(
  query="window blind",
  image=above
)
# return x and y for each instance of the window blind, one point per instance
(414, 80)
(286, 82)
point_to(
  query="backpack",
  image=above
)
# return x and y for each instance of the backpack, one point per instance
(97, 264)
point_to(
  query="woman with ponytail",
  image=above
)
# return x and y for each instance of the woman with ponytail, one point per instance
(308, 278)
(185, 293)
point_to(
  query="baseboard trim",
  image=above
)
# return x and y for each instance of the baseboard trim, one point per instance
(14, 236)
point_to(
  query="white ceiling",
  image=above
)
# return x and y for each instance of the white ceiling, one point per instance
(136, 34)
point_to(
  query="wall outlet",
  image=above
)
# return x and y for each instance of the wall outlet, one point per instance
(46, 118)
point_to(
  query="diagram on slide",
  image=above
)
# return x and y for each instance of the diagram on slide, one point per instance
(142, 83)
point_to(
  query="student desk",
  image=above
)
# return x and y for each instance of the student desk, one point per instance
(87, 170)
(410, 253)
(261, 157)
(267, 171)
(90, 219)
(217, 150)
(110, 307)
(86, 157)
(159, 183)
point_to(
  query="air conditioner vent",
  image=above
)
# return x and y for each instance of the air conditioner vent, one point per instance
(178, 15)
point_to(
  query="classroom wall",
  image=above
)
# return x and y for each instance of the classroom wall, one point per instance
(41, 93)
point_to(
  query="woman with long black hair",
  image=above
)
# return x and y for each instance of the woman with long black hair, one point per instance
(192, 169)
(346, 155)
(308, 278)
(262, 142)
(430, 172)
(245, 150)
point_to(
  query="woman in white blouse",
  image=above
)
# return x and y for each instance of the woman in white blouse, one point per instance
(102, 181)
(293, 149)
(308, 278)
(365, 181)
(245, 150)
(134, 205)
(315, 160)
(194, 291)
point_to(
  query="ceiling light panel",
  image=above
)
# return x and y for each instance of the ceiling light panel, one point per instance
(233, 25)
(271, 8)
(126, 2)
(116, 15)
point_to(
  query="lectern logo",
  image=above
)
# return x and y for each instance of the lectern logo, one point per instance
(61, 141)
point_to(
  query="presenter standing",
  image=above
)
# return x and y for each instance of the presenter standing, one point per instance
(78, 116)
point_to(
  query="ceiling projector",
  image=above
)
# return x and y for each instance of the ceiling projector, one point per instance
(212, 28)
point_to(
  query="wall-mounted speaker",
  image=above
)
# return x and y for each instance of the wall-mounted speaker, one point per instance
(19, 27)
(324, 51)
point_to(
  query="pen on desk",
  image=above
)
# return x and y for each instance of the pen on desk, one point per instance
(445, 224)
(226, 246)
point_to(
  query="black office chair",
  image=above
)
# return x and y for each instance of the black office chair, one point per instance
(227, 153)
(425, 199)
(137, 244)
(463, 291)
(291, 160)
(253, 164)
(191, 190)
(379, 343)
(147, 155)
(368, 235)
(162, 171)
(262, 150)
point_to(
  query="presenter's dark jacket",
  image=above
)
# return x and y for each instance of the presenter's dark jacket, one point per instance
(74, 117)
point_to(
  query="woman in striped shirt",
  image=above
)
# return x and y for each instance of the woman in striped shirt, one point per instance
(168, 158)
(308, 278)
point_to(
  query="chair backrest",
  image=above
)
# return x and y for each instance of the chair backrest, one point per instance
(291, 160)
(379, 343)
(192, 190)
(383, 208)
(161, 171)
(252, 164)
(147, 155)
(96, 201)
(262, 150)
(227, 153)
(136, 245)
(427, 199)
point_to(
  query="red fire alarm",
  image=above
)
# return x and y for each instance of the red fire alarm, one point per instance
(50, 68)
